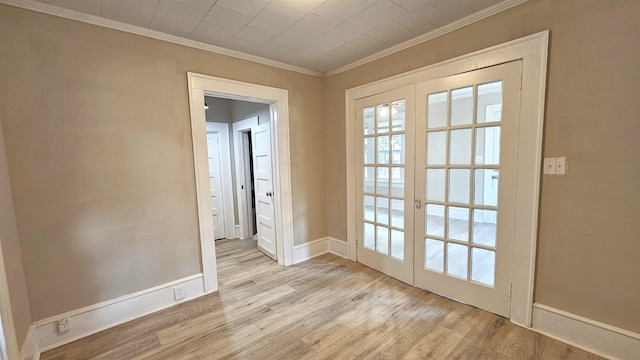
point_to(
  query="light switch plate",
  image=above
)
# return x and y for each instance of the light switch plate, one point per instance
(550, 165)
(561, 165)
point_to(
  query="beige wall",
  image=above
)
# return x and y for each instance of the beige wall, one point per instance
(589, 238)
(96, 125)
(20, 308)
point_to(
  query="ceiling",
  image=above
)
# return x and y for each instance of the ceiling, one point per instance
(317, 35)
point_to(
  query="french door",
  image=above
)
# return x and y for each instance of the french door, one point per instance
(457, 167)
(385, 203)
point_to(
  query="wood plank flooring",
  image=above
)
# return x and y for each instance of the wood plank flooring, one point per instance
(324, 308)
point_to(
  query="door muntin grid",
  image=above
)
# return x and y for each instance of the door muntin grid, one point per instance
(384, 145)
(462, 166)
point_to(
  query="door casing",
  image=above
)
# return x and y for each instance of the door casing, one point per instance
(200, 85)
(240, 130)
(532, 51)
(222, 129)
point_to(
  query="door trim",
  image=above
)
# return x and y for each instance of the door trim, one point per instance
(239, 128)
(278, 99)
(225, 166)
(532, 50)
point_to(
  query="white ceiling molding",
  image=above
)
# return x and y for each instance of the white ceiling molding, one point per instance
(116, 25)
(477, 16)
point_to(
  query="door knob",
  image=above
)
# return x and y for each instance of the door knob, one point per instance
(269, 193)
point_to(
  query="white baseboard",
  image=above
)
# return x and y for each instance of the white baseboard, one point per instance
(29, 350)
(98, 317)
(318, 247)
(599, 338)
(338, 247)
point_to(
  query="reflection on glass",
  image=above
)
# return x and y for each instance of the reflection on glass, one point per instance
(397, 213)
(436, 147)
(382, 181)
(383, 118)
(383, 149)
(368, 121)
(458, 223)
(483, 263)
(397, 149)
(459, 185)
(369, 153)
(434, 255)
(435, 184)
(369, 179)
(484, 227)
(457, 260)
(488, 145)
(382, 240)
(486, 187)
(434, 220)
(397, 182)
(489, 102)
(382, 210)
(397, 115)
(460, 147)
(437, 110)
(397, 244)
(462, 106)
(369, 234)
(368, 207)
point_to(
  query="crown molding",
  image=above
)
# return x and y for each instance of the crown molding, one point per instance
(132, 29)
(470, 19)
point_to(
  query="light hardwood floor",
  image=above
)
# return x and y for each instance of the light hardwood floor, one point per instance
(324, 308)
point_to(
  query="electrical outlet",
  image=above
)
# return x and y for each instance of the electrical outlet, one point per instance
(64, 325)
(178, 293)
(561, 166)
(550, 165)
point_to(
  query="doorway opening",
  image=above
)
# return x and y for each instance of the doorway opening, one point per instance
(272, 172)
(240, 171)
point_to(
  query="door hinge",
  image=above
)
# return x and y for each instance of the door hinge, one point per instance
(521, 77)
(356, 243)
(510, 289)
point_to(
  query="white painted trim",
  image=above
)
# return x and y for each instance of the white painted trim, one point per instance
(309, 250)
(238, 128)
(306, 251)
(203, 191)
(95, 318)
(10, 347)
(470, 19)
(283, 200)
(532, 50)
(593, 336)
(132, 29)
(29, 350)
(338, 247)
(224, 151)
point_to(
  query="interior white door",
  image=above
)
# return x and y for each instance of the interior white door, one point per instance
(385, 186)
(466, 140)
(263, 182)
(215, 180)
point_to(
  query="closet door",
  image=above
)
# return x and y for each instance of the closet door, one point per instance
(385, 182)
(466, 142)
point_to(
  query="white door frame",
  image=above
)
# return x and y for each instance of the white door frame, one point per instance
(532, 50)
(8, 341)
(240, 127)
(224, 152)
(278, 99)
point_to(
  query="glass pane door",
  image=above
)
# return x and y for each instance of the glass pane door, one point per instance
(466, 130)
(385, 192)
